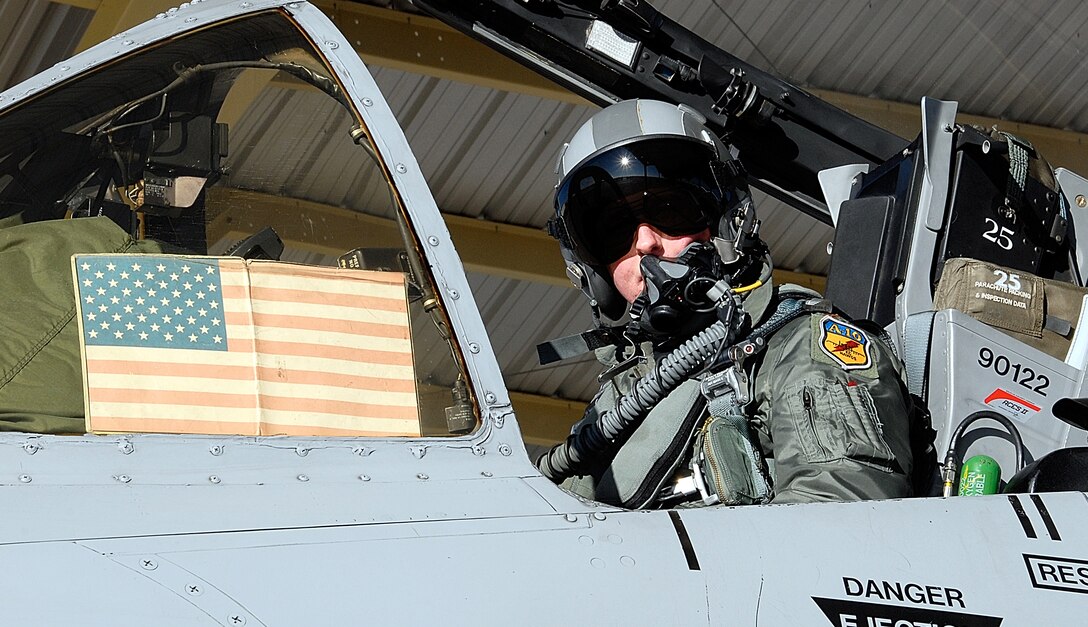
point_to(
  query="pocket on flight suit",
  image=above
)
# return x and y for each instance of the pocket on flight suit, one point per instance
(837, 421)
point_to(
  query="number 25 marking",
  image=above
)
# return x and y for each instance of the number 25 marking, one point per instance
(1005, 279)
(998, 234)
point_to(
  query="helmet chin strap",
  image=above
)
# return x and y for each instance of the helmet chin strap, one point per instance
(605, 301)
(604, 297)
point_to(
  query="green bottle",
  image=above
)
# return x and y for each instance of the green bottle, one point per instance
(980, 474)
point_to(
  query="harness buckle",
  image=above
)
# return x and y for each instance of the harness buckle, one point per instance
(733, 380)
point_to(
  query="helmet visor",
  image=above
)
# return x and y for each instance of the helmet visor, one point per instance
(665, 183)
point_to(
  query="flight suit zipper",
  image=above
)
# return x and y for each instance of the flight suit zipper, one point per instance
(809, 405)
(712, 459)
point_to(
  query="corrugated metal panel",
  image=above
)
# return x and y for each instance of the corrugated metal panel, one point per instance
(1008, 60)
(35, 35)
(485, 153)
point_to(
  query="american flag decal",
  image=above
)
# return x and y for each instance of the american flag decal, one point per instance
(228, 346)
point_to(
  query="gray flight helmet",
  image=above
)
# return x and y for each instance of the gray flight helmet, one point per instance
(644, 149)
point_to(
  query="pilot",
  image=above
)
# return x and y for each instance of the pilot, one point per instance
(789, 402)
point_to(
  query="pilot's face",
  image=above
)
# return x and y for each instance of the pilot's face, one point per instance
(648, 240)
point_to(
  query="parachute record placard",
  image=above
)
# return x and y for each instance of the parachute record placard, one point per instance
(223, 345)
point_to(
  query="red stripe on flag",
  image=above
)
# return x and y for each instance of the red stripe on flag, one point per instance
(245, 373)
(346, 381)
(311, 323)
(388, 358)
(173, 397)
(340, 408)
(311, 297)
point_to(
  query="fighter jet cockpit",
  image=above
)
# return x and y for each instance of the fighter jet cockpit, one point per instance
(237, 272)
(245, 378)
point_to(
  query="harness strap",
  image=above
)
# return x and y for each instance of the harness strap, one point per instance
(916, 351)
(575, 345)
(731, 462)
(789, 308)
(1018, 170)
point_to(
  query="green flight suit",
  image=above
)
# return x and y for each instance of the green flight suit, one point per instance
(833, 433)
(41, 380)
(834, 425)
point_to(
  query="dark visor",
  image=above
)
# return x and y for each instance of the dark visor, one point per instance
(666, 183)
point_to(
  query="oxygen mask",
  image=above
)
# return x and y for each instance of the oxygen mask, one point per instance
(680, 295)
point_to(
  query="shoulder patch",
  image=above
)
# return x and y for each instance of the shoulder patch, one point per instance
(841, 343)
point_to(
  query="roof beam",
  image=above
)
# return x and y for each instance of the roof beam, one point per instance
(489, 247)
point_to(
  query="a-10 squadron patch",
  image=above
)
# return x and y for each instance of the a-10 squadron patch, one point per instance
(841, 343)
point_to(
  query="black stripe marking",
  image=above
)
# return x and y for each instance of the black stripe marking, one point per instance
(685, 541)
(1047, 520)
(1025, 522)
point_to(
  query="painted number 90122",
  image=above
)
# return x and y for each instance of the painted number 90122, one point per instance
(1005, 367)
